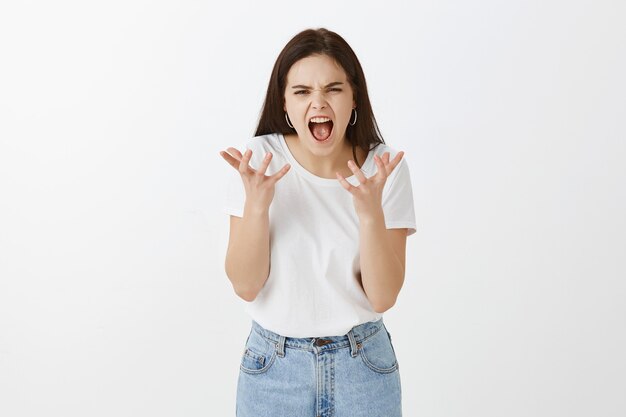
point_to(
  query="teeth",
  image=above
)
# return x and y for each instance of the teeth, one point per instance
(319, 120)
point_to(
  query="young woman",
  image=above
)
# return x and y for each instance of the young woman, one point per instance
(320, 209)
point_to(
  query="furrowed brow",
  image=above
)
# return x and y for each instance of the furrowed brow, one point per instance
(307, 87)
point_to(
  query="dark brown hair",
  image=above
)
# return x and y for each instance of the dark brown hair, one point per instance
(324, 42)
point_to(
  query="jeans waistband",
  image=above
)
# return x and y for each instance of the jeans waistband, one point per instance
(355, 335)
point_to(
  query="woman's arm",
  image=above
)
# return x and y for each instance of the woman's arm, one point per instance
(248, 256)
(382, 252)
(382, 255)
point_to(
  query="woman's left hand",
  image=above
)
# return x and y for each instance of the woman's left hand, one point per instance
(367, 196)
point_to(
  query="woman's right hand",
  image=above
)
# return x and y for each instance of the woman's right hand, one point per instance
(259, 187)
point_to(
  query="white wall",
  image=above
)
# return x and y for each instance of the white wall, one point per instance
(113, 299)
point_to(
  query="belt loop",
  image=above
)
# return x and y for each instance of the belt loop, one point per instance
(280, 346)
(353, 346)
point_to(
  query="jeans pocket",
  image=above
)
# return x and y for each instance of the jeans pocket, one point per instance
(378, 353)
(258, 355)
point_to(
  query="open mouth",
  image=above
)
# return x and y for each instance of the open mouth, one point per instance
(321, 128)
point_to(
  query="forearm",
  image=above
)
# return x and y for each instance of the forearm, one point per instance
(382, 272)
(248, 255)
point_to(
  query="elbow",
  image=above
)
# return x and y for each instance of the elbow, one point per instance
(382, 307)
(385, 303)
(379, 310)
(246, 295)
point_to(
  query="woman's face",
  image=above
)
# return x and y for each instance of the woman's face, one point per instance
(318, 86)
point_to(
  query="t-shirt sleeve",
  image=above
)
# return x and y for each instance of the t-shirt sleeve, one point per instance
(397, 200)
(235, 192)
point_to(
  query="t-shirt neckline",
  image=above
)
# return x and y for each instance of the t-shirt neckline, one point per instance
(314, 178)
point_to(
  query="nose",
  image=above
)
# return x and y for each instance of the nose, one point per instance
(318, 105)
(318, 101)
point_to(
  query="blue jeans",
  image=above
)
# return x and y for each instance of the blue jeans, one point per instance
(355, 375)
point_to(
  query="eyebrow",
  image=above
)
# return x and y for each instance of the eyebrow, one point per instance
(306, 86)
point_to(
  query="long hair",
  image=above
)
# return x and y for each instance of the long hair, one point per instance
(324, 42)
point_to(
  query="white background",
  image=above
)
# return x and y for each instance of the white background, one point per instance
(113, 296)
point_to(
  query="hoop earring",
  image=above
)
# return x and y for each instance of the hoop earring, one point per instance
(287, 119)
(353, 123)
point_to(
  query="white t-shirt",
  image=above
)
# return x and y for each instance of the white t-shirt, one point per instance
(312, 289)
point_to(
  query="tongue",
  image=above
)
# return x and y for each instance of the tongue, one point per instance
(321, 131)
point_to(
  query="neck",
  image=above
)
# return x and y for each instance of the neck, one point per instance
(326, 166)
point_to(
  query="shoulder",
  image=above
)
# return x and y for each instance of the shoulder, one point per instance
(264, 143)
(260, 145)
(383, 148)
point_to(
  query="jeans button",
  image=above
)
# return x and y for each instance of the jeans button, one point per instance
(322, 342)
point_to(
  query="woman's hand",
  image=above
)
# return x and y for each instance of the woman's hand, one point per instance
(367, 196)
(259, 187)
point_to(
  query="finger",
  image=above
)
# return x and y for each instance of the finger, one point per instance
(243, 164)
(385, 158)
(382, 169)
(235, 152)
(357, 172)
(265, 163)
(344, 183)
(280, 173)
(394, 163)
(230, 159)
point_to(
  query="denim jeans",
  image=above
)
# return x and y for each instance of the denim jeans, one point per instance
(354, 375)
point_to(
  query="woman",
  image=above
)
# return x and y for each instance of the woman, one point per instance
(319, 215)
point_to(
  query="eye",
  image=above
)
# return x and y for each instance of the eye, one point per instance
(301, 92)
(334, 89)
